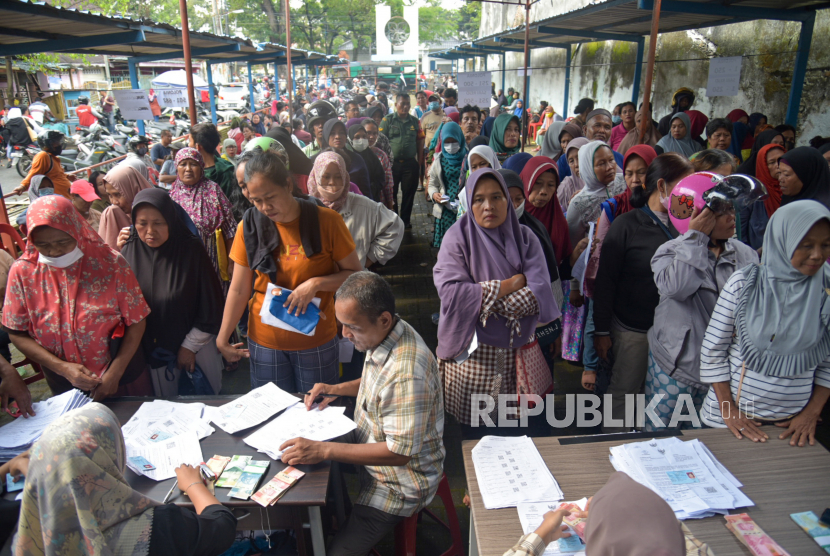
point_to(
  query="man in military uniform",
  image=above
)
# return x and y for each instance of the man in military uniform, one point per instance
(407, 141)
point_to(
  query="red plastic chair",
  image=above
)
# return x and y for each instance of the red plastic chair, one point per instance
(9, 230)
(154, 176)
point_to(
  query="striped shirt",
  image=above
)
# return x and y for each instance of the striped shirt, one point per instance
(400, 403)
(763, 397)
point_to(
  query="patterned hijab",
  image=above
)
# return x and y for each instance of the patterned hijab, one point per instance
(76, 501)
(320, 164)
(549, 215)
(127, 181)
(203, 200)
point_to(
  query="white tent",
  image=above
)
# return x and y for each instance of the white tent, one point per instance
(177, 79)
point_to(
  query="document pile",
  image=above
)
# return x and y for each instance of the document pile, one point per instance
(251, 409)
(753, 537)
(531, 515)
(276, 487)
(685, 474)
(19, 435)
(163, 435)
(298, 422)
(511, 470)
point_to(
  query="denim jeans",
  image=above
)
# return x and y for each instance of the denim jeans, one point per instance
(590, 359)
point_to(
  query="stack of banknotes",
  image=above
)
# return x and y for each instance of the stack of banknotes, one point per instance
(753, 537)
(278, 486)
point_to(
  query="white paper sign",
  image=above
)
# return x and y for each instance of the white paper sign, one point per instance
(172, 98)
(724, 77)
(134, 104)
(521, 71)
(474, 88)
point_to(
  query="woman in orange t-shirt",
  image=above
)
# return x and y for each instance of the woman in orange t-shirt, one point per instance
(296, 245)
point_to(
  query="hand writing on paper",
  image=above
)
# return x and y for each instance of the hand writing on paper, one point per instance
(301, 450)
(316, 391)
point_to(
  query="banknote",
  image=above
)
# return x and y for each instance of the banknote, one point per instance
(251, 475)
(574, 521)
(755, 539)
(217, 464)
(233, 471)
(277, 486)
(809, 522)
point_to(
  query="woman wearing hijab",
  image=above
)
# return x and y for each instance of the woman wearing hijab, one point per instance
(235, 133)
(335, 137)
(359, 146)
(122, 185)
(770, 339)
(740, 131)
(517, 162)
(372, 135)
(490, 271)
(505, 137)
(377, 231)
(756, 120)
(698, 122)
(551, 146)
(682, 99)
(445, 179)
(679, 139)
(184, 294)
(518, 111)
(763, 139)
(208, 208)
(572, 184)
(628, 111)
(754, 218)
(77, 501)
(66, 296)
(803, 174)
(480, 156)
(569, 132)
(256, 123)
(634, 137)
(625, 295)
(295, 244)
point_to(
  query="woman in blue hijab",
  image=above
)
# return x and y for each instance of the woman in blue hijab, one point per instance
(445, 178)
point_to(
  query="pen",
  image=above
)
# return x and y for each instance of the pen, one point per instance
(170, 493)
(323, 395)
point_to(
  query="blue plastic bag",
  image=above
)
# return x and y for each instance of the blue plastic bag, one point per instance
(304, 323)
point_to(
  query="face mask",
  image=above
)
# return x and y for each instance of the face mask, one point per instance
(616, 119)
(520, 210)
(57, 150)
(63, 261)
(665, 201)
(452, 148)
(360, 145)
(141, 151)
(433, 105)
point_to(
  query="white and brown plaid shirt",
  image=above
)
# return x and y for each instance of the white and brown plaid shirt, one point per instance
(400, 402)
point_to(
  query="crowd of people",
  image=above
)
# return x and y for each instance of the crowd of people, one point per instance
(129, 289)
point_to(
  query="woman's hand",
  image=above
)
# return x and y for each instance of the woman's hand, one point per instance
(186, 360)
(20, 189)
(79, 376)
(589, 380)
(602, 344)
(512, 285)
(17, 467)
(436, 197)
(579, 248)
(232, 352)
(186, 475)
(12, 386)
(575, 298)
(551, 528)
(703, 220)
(108, 386)
(302, 295)
(123, 236)
(802, 428)
(740, 424)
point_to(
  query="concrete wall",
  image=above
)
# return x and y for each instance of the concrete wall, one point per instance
(605, 70)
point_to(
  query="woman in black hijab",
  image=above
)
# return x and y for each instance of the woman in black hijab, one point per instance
(359, 146)
(298, 162)
(335, 138)
(178, 282)
(804, 174)
(762, 140)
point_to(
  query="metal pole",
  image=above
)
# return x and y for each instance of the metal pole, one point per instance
(800, 69)
(289, 68)
(210, 93)
(638, 70)
(652, 47)
(527, 77)
(503, 69)
(567, 81)
(134, 84)
(188, 64)
(251, 88)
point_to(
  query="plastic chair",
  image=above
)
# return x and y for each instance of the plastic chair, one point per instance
(154, 176)
(9, 230)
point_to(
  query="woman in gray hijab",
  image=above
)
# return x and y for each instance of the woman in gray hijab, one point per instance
(551, 147)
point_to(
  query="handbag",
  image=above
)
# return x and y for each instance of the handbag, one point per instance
(532, 373)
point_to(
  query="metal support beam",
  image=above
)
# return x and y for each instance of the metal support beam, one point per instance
(805, 38)
(135, 85)
(567, 81)
(194, 52)
(258, 58)
(124, 37)
(587, 34)
(638, 70)
(211, 95)
(33, 34)
(503, 69)
(534, 43)
(293, 80)
(737, 12)
(251, 87)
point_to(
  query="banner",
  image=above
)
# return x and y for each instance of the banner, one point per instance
(474, 88)
(133, 103)
(172, 98)
(724, 77)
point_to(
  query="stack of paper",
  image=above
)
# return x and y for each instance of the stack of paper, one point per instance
(277, 487)
(165, 455)
(19, 435)
(753, 537)
(298, 422)
(685, 474)
(510, 470)
(251, 475)
(160, 420)
(531, 515)
(820, 532)
(252, 409)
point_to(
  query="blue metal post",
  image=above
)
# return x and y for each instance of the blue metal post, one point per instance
(503, 69)
(800, 69)
(210, 93)
(638, 70)
(486, 62)
(135, 85)
(293, 79)
(567, 80)
(307, 79)
(251, 88)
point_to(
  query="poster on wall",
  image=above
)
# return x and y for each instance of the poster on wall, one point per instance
(172, 98)
(474, 88)
(724, 77)
(133, 103)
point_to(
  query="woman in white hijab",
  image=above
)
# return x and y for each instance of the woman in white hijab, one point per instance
(679, 140)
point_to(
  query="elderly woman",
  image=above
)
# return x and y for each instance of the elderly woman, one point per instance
(293, 244)
(635, 137)
(184, 294)
(766, 352)
(377, 231)
(679, 140)
(445, 179)
(208, 208)
(490, 271)
(359, 146)
(122, 184)
(335, 137)
(77, 501)
(504, 140)
(69, 299)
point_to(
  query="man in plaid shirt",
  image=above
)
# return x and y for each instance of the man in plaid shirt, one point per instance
(399, 413)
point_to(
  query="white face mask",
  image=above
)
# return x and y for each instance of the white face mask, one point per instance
(452, 148)
(360, 145)
(63, 261)
(520, 210)
(665, 201)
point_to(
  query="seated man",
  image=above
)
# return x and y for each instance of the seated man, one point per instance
(399, 413)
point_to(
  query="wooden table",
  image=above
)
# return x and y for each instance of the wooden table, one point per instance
(289, 511)
(779, 478)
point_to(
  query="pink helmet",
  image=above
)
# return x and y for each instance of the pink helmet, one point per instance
(688, 195)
